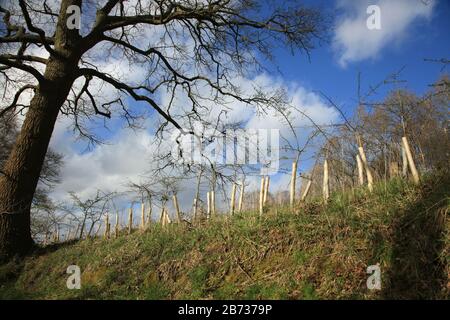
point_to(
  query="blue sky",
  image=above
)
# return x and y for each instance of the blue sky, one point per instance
(411, 30)
(423, 38)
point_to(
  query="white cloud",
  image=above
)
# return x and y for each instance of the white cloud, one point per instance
(303, 100)
(353, 41)
(108, 167)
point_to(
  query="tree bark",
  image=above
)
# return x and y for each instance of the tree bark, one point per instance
(24, 164)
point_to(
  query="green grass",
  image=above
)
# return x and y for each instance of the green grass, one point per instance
(315, 252)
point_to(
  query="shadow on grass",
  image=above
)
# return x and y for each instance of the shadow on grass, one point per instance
(418, 271)
(42, 250)
(11, 270)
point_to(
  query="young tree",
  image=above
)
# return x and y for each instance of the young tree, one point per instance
(87, 213)
(203, 44)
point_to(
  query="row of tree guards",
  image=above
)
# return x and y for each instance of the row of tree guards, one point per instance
(363, 169)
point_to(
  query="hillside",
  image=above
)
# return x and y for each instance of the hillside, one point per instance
(318, 252)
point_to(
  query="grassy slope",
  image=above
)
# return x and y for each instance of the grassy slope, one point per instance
(322, 252)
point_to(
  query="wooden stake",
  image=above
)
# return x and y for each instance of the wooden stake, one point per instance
(142, 216)
(177, 208)
(213, 203)
(293, 181)
(149, 214)
(83, 225)
(208, 204)
(130, 220)
(266, 189)
(362, 154)
(326, 187)
(305, 193)
(411, 164)
(106, 235)
(360, 170)
(241, 197)
(261, 197)
(393, 169)
(116, 229)
(195, 209)
(233, 197)
(168, 220)
(404, 162)
(161, 217)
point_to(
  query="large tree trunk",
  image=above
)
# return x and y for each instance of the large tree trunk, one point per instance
(24, 164)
